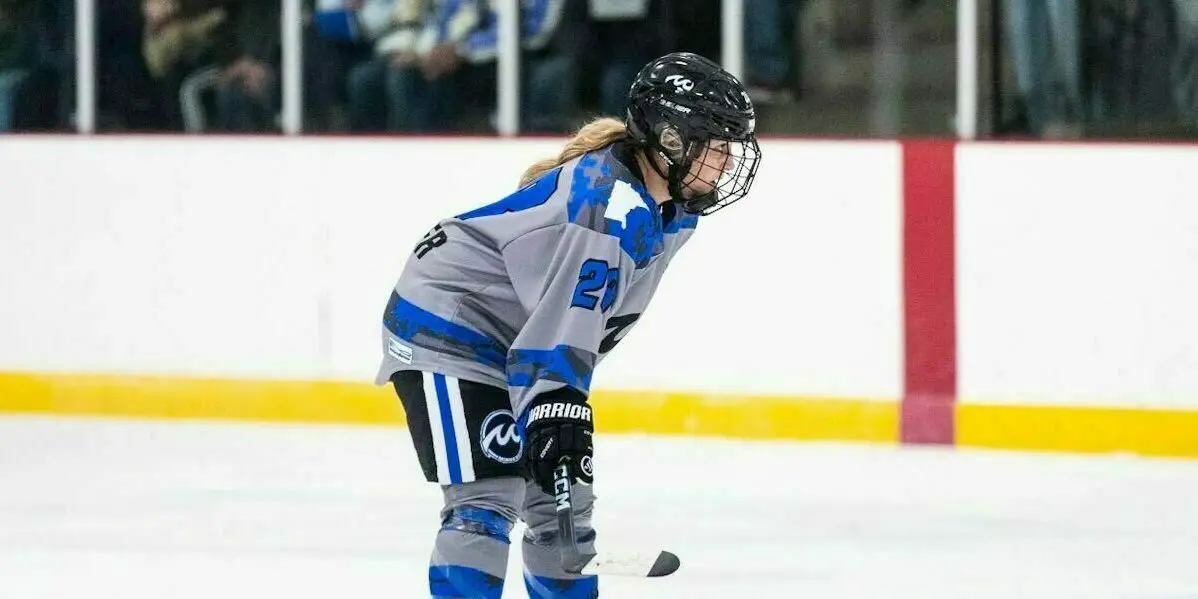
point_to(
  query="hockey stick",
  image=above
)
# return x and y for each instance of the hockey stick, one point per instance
(653, 564)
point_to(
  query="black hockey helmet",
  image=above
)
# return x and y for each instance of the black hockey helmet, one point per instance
(678, 106)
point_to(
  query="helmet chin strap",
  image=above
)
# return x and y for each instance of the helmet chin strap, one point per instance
(698, 205)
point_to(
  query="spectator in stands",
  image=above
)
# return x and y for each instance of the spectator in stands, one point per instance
(377, 98)
(697, 25)
(48, 101)
(177, 42)
(1045, 41)
(18, 55)
(37, 64)
(614, 39)
(767, 59)
(1131, 57)
(433, 61)
(334, 43)
(126, 99)
(248, 94)
(1186, 67)
(229, 46)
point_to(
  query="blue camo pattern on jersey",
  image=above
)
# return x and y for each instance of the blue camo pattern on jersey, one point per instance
(683, 220)
(458, 582)
(595, 177)
(530, 196)
(564, 364)
(540, 587)
(425, 329)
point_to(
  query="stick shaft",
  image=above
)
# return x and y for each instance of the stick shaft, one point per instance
(572, 559)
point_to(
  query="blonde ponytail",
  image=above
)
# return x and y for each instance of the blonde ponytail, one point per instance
(596, 134)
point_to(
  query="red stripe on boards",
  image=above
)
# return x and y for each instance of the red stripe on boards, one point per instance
(929, 293)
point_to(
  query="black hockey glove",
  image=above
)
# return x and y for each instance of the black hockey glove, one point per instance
(559, 425)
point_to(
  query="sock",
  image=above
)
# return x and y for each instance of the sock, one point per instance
(470, 556)
(543, 574)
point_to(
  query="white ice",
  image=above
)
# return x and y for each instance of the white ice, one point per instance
(149, 510)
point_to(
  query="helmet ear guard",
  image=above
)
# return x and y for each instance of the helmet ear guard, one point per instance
(680, 153)
(671, 142)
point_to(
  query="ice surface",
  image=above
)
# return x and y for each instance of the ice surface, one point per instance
(151, 510)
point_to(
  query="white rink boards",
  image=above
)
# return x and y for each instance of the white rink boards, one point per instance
(143, 510)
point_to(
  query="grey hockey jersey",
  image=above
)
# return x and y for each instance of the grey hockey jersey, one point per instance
(530, 293)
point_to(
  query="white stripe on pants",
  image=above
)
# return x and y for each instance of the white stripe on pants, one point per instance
(441, 436)
(465, 455)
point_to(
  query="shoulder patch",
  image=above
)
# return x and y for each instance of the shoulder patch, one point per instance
(605, 198)
(622, 201)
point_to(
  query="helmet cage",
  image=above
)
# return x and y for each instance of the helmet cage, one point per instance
(736, 164)
(736, 160)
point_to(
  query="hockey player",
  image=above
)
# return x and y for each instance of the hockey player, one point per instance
(502, 313)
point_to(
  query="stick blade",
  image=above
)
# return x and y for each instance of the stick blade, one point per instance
(651, 565)
(667, 563)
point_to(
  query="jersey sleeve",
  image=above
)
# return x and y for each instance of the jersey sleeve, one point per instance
(569, 279)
